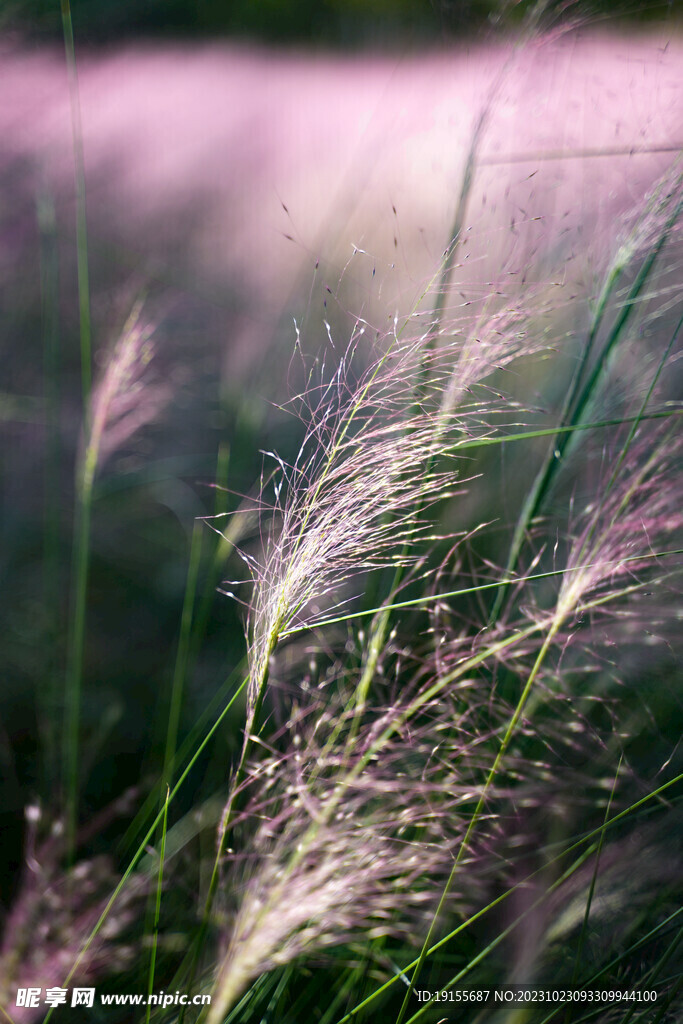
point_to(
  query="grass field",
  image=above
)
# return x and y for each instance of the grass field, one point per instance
(342, 531)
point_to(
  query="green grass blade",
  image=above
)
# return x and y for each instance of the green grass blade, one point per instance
(74, 672)
(157, 906)
(428, 599)
(183, 652)
(81, 553)
(81, 219)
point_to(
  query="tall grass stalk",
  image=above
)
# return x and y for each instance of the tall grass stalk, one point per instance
(74, 673)
(81, 542)
(182, 654)
(157, 907)
(81, 216)
(49, 292)
(113, 413)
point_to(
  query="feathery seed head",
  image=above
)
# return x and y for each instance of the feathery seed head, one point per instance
(125, 399)
(348, 833)
(352, 501)
(634, 516)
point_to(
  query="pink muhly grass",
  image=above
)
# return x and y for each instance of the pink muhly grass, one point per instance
(124, 399)
(491, 343)
(121, 403)
(355, 827)
(351, 502)
(620, 542)
(373, 462)
(355, 499)
(607, 561)
(621, 531)
(351, 835)
(55, 910)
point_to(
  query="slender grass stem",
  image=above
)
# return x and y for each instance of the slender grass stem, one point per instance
(226, 824)
(81, 219)
(183, 653)
(74, 674)
(49, 292)
(176, 698)
(157, 907)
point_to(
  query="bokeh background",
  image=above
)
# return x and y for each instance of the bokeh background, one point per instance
(253, 168)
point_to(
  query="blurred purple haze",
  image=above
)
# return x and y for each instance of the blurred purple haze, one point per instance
(244, 166)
